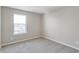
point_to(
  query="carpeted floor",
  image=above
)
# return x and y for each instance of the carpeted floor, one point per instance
(39, 45)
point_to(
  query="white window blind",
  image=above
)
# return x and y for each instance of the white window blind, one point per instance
(20, 24)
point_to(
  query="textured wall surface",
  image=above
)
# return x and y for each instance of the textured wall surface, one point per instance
(63, 25)
(33, 25)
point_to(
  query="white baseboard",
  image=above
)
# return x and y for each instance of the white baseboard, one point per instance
(47, 37)
(20, 40)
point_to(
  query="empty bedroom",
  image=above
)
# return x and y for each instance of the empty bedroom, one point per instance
(39, 29)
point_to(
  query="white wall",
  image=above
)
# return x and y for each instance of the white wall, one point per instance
(33, 25)
(62, 25)
(0, 26)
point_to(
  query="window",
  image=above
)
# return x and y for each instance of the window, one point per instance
(19, 24)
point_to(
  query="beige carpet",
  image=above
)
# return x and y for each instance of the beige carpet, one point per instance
(39, 45)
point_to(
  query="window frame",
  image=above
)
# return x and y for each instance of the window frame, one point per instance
(26, 29)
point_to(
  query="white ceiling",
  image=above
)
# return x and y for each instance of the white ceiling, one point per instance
(37, 9)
